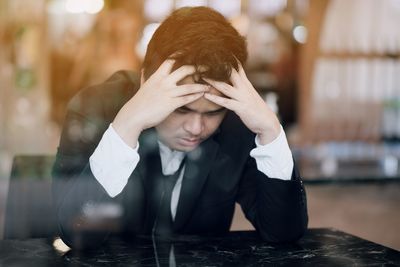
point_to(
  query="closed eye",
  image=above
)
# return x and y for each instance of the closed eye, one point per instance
(182, 110)
(186, 110)
(215, 112)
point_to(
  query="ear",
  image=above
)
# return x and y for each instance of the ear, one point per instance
(141, 77)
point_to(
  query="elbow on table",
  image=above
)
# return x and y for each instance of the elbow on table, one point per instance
(76, 237)
(284, 233)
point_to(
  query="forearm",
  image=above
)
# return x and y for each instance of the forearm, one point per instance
(77, 199)
(81, 189)
(280, 213)
(277, 208)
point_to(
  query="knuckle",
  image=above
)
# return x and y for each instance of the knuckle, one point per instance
(226, 88)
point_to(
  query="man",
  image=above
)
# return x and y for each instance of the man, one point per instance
(173, 152)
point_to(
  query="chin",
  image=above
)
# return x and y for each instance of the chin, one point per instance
(184, 148)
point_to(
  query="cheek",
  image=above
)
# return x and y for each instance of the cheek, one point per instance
(212, 124)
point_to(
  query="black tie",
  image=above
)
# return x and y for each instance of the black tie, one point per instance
(163, 224)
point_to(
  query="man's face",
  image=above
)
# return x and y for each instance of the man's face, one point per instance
(186, 127)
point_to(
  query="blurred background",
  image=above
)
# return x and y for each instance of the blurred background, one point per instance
(329, 68)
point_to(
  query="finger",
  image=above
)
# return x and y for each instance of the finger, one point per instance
(241, 70)
(186, 99)
(198, 75)
(181, 73)
(235, 78)
(165, 68)
(230, 104)
(240, 67)
(187, 89)
(224, 88)
(242, 80)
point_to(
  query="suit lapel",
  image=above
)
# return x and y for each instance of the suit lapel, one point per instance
(197, 167)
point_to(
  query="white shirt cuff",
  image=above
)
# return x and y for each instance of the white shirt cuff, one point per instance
(274, 159)
(113, 162)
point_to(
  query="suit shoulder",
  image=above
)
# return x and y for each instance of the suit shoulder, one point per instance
(107, 97)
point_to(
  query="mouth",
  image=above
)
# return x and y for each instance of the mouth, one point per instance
(191, 142)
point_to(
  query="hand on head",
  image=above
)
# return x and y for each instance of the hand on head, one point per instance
(157, 97)
(243, 99)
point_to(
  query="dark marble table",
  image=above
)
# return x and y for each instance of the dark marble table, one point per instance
(319, 247)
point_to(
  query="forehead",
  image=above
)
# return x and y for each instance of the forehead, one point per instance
(202, 104)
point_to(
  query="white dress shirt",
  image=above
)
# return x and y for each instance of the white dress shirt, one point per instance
(113, 161)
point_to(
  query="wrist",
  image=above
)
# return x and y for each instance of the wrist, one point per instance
(270, 133)
(128, 132)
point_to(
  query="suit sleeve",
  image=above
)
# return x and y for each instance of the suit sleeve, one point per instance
(86, 213)
(76, 193)
(276, 208)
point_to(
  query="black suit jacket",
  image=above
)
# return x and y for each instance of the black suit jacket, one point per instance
(218, 173)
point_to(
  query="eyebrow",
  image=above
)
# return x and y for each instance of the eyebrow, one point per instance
(184, 108)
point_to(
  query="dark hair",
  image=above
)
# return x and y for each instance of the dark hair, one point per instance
(197, 36)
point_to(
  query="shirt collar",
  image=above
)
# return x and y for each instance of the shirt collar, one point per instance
(170, 159)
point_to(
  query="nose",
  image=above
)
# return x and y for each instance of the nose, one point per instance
(194, 124)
